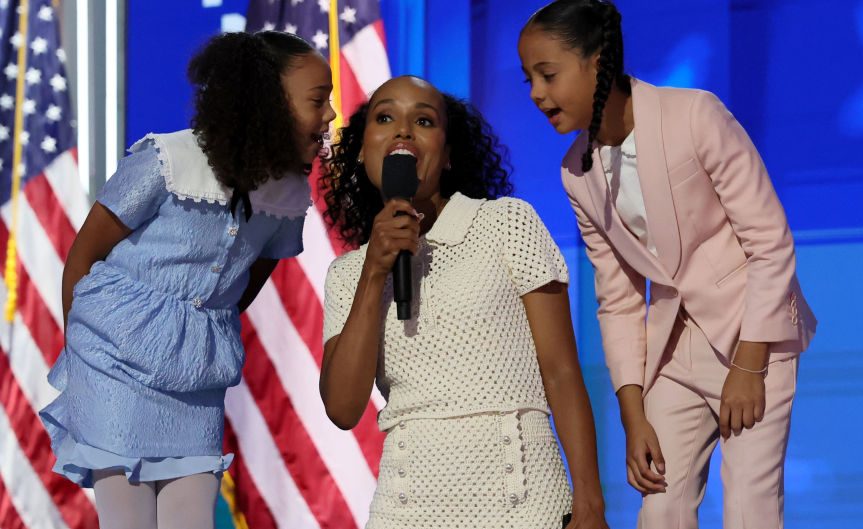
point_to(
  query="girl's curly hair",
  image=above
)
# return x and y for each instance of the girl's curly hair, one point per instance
(480, 169)
(243, 120)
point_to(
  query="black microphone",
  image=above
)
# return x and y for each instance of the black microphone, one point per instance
(400, 181)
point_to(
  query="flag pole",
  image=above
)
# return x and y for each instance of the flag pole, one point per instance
(229, 489)
(335, 63)
(11, 271)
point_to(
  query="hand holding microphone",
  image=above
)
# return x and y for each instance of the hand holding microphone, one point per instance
(395, 233)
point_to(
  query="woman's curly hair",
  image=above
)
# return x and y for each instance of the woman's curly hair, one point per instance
(480, 169)
(243, 120)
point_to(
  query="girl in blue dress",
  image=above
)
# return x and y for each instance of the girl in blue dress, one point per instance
(178, 243)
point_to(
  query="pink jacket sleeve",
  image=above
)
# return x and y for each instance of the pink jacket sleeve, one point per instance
(620, 291)
(728, 156)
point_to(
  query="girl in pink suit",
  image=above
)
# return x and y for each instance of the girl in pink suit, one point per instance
(668, 188)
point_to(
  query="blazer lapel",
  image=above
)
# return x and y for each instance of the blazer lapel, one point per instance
(627, 245)
(653, 175)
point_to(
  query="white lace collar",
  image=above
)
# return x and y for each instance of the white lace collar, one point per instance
(188, 175)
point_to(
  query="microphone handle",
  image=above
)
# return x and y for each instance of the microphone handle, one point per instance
(402, 285)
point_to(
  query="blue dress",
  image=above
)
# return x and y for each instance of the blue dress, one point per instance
(153, 335)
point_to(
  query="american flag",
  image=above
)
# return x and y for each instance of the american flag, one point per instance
(294, 469)
(37, 148)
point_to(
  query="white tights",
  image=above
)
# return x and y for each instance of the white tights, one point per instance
(182, 503)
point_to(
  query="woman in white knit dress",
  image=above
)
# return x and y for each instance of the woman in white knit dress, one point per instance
(470, 378)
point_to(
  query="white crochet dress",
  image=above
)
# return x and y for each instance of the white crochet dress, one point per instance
(468, 444)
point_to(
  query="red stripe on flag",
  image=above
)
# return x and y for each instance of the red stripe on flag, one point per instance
(248, 499)
(51, 214)
(301, 457)
(338, 246)
(74, 507)
(303, 308)
(370, 437)
(46, 334)
(9, 517)
(33, 311)
(379, 29)
(301, 303)
(352, 93)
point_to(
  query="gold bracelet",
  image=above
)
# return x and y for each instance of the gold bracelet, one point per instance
(761, 372)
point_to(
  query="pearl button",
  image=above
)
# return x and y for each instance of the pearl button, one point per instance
(403, 497)
(513, 498)
(508, 468)
(402, 445)
(232, 231)
(402, 473)
(402, 425)
(198, 303)
(506, 440)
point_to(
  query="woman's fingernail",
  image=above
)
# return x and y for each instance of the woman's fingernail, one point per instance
(421, 216)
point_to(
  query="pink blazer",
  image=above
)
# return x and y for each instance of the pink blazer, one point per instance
(725, 252)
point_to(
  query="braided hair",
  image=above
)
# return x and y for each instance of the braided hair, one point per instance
(589, 26)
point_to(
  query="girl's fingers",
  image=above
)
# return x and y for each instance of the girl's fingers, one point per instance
(724, 420)
(656, 454)
(646, 477)
(749, 416)
(630, 477)
(759, 411)
(736, 420)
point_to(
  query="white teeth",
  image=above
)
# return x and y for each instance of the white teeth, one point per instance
(403, 151)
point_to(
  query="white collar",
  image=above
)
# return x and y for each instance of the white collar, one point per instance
(455, 220)
(188, 175)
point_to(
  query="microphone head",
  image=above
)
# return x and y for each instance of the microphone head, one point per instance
(399, 176)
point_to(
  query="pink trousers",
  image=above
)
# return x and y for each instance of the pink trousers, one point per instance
(683, 407)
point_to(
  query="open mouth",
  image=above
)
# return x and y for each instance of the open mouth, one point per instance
(403, 148)
(551, 113)
(321, 142)
(321, 138)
